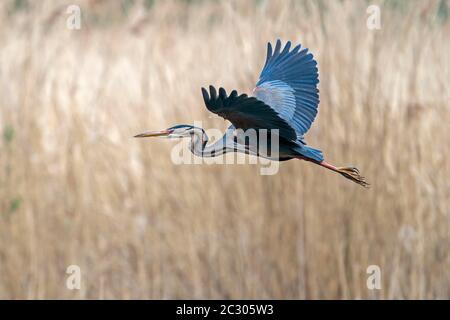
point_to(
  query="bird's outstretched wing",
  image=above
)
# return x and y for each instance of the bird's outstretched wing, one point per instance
(288, 83)
(246, 112)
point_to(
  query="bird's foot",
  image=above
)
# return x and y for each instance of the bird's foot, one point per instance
(353, 174)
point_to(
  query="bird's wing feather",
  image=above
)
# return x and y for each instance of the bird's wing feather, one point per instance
(288, 83)
(246, 112)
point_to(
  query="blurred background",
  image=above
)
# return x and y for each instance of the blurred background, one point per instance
(76, 188)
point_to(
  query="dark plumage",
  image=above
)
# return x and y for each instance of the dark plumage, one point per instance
(246, 112)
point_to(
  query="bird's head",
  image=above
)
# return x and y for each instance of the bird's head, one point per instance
(178, 131)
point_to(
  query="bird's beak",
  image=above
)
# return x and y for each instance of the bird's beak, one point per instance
(162, 133)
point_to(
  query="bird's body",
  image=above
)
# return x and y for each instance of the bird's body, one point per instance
(232, 142)
(283, 107)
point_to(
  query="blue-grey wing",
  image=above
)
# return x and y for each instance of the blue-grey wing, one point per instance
(246, 112)
(288, 83)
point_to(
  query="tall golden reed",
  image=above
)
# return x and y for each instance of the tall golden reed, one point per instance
(75, 188)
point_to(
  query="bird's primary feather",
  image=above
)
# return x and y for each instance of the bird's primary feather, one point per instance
(246, 112)
(286, 95)
(286, 98)
(288, 83)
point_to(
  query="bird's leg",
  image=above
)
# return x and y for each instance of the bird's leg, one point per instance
(350, 173)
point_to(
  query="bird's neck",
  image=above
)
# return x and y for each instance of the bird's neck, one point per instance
(199, 145)
(198, 142)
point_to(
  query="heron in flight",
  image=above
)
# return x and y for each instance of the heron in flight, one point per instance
(285, 101)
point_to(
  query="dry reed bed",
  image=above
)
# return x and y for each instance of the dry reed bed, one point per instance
(75, 188)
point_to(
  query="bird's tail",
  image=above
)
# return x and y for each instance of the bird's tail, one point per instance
(350, 173)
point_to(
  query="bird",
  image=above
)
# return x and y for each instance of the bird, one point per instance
(284, 101)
